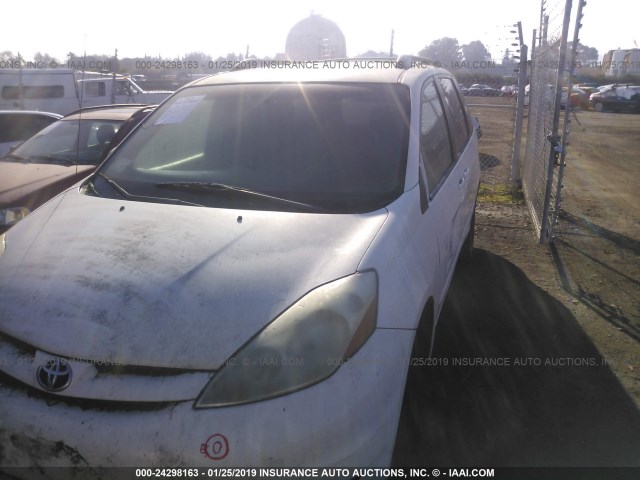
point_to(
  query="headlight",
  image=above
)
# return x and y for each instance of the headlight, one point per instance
(12, 215)
(304, 345)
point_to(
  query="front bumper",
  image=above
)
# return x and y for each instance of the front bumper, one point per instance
(350, 419)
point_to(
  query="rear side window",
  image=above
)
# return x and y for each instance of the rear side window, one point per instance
(95, 89)
(435, 146)
(456, 113)
(14, 128)
(12, 92)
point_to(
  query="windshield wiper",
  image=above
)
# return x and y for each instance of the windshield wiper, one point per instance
(221, 187)
(114, 185)
(52, 159)
(11, 156)
(143, 198)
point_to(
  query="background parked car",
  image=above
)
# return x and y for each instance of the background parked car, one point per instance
(18, 125)
(588, 88)
(481, 90)
(509, 90)
(59, 156)
(580, 98)
(563, 95)
(618, 98)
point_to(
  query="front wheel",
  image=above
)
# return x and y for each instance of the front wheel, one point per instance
(598, 107)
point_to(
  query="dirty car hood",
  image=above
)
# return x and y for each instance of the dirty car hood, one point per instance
(165, 285)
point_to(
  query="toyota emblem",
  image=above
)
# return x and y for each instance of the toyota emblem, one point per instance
(54, 375)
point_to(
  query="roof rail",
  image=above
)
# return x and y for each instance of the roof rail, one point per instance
(106, 107)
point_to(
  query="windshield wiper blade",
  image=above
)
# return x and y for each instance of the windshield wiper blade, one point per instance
(11, 156)
(221, 187)
(115, 186)
(52, 159)
(144, 198)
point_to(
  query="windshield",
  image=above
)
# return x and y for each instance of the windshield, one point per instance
(338, 147)
(60, 142)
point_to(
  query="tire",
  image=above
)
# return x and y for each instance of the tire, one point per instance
(423, 340)
(598, 107)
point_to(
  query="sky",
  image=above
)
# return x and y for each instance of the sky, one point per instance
(170, 30)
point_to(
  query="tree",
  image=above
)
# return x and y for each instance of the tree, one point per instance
(507, 59)
(11, 60)
(202, 60)
(44, 58)
(445, 50)
(585, 56)
(373, 54)
(475, 53)
(232, 57)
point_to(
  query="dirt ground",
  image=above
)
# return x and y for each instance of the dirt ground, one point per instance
(537, 356)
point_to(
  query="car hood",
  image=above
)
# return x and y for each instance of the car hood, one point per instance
(20, 180)
(165, 285)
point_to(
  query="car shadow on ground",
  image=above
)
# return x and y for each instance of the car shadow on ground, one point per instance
(578, 267)
(488, 161)
(513, 381)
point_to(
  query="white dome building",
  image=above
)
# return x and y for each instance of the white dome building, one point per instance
(315, 38)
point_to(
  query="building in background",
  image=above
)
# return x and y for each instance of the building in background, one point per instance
(620, 63)
(315, 38)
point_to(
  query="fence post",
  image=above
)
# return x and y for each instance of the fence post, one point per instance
(517, 140)
(553, 135)
(567, 113)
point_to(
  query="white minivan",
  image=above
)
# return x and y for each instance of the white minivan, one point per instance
(244, 280)
(63, 91)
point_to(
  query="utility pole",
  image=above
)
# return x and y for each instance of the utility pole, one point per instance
(113, 79)
(20, 87)
(391, 47)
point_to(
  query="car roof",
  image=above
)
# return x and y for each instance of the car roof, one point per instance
(356, 70)
(113, 112)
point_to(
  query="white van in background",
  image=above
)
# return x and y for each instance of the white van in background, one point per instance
(63, 91)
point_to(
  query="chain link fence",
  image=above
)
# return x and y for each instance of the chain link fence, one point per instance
(546, 97)
(496, 143)
(493, 103)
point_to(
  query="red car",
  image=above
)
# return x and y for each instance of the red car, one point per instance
(61, 155)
